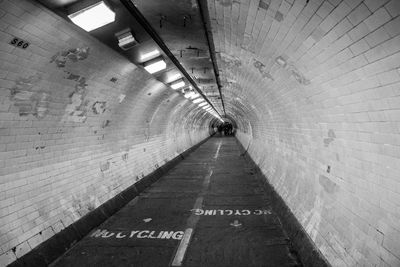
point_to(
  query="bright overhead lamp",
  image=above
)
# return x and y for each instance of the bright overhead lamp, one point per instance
(202, 104)
(198, 100)
(155, 65)
(174, 77)
(125, 39)
(194, 96)
(178, 84)
(92, 17)
(206, 107)
(150, 54)
(189, 94)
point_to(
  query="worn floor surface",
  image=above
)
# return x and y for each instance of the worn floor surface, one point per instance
(208, 211)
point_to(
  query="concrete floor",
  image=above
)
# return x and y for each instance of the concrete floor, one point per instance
(208, 211)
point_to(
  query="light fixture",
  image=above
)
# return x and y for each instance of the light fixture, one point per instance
(198, 100)
(178, 84)
(150, 55)
(202, 104)
(194, 96)
(155, 65)
(93, 16)
(206, 107)
(125, 39)
(174, 77)
(189, 94)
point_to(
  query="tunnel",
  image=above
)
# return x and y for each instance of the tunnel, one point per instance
(200, 133)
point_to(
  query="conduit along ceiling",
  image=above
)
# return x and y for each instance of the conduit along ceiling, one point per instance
(178, 24)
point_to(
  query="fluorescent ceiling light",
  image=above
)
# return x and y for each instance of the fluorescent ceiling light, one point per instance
(174, 77)
(187, 95)
(206, 107)
(93, 17)
(178, 84)
(155, 65)
(202, 104)
(150, 55)
(198, 100)
(194, 96)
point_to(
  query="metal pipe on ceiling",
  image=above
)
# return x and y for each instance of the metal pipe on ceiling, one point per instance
(211, 47)
(154, 35)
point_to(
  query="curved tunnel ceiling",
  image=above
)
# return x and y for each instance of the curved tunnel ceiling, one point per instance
(313, 87)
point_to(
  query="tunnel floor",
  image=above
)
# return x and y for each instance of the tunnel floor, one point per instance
(207, 211)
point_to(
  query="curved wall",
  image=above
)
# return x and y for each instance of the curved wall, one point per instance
(78, 124)
(318, 83)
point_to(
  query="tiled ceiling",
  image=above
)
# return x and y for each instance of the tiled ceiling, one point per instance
(179, 24)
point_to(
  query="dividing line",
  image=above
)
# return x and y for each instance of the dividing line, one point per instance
(217, 152)
(191, 223)
(183, 245)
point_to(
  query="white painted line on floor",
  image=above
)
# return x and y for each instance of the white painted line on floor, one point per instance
(191, 224)
(217, 152)
(180, 254)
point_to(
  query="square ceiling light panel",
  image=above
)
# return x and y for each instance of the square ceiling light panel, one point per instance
(189, 94)
(178, 84)
(155, 65)
(149, 55)
(202, 104)
(174, 77)
(198, 100)
(93, 16)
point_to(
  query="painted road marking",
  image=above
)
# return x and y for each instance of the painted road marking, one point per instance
(191, 224)
(229, 212)
(137, 234)
(217, 152)
(183, 245)
(236, 223)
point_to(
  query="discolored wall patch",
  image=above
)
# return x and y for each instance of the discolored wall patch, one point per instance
(29, 97)
(330, 139)
(99, 107)
(328, 185)
(261, 68)
(73, 55)
(77, 108)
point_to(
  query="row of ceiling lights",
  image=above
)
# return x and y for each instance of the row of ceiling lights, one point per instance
(99, 14)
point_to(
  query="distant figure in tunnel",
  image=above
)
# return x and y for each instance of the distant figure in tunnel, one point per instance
(220, 129)
(225, 129)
